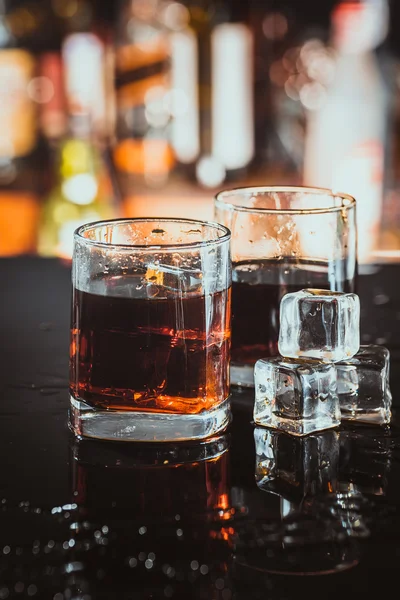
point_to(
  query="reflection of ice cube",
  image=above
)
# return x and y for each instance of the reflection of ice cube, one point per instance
(298, 398)
(363, 385)
(365, 459)
(295, 466)
(319, 324)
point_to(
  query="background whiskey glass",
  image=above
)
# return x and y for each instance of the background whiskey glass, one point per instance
(283, 239)
(150, 333)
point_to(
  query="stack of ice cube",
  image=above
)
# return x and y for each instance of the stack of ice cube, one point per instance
(322, 375)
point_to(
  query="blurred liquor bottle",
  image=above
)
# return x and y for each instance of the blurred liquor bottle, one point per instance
(142, 151)
(212, 95)
(82, 190)
(52, 110)
(184, 75)
(22, 152)
(346, 137)
(222, 58)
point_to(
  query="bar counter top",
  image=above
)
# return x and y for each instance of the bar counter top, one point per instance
(249, 514)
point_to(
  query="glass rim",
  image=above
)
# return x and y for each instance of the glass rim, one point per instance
(226, 233)
(221, 202)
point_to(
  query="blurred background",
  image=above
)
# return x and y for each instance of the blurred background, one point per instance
(149, 107)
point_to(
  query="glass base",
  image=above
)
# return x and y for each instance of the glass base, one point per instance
(242, 375)
(298, 427)
(86, 421)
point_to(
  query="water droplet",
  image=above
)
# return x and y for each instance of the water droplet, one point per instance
(170, 572)
(32, 589)
(381, 299)
(73, 567)
(220, 584)
(132, 562)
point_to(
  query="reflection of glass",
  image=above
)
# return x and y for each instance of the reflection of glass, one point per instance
(283, 239)
(150, 481)
(153, 515)
(150, 330)
(314, 530)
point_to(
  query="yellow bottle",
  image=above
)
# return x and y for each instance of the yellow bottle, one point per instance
(82, 192)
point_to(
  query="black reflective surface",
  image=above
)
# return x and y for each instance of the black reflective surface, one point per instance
(248, 514)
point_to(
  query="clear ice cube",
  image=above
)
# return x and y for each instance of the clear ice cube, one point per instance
(363, 386)
(296, 397)
(319, 324)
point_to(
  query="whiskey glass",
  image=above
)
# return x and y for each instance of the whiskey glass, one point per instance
(150, 330)
(283, 239)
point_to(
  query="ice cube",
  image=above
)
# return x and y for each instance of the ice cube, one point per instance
(296, 397)
(294, 467)
(363, 386)
(319, 324)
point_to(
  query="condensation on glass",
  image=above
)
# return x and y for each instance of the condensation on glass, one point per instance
(284, 239)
